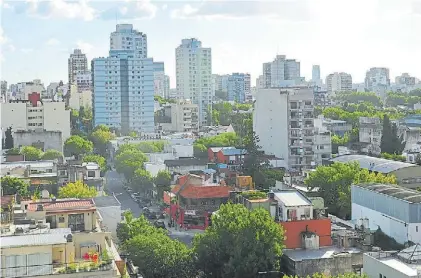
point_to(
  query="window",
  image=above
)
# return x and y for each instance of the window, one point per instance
(61, 219)
(76, 222)
(416, 229)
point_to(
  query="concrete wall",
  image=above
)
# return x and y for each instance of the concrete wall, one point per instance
(51, 140)
(333, 266)
(374, 267)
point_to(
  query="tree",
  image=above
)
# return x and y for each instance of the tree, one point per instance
(153, 251)
(51, 155)
(339, 141)
(97, 159)
(31, 153)
(390, 141)
(74, 121)
(142, 180)
(162, 182)
(13, 185)
(334, 183)
(101, 136)
(129, 161)
(13, 151)
(8, 139)
(76, 145)
(240, 243)
(77, 190)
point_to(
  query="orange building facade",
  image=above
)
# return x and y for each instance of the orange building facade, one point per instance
(294, 229)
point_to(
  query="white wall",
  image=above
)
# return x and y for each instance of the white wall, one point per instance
(389, 225)
(183, 150)
(57, 118)
(9, 118)
(154, 168)
(373, 267)
(271, 122)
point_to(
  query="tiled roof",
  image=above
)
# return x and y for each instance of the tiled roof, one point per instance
(205, 191)
(63, 205)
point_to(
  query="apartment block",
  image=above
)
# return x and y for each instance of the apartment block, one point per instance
(123, 84)
(405, 79)
(377, 80)
(370, 134)
(77, 64)
(281, 72)
(237, 86)
(183, 115)
(284, 122)
(36, 115)
(61, 238)
(338, 82)
(84, 81)
(221, 82)
(161, 81)
(22, 90)
(194, 75)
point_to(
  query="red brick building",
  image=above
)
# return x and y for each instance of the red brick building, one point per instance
(195, 201)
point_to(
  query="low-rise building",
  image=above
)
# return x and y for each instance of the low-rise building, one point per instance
(183, 117)
(336, 127)
(395, 264)
(407, 174)
(42, 139)
(62, 238)
(370, 134)
(184, 165)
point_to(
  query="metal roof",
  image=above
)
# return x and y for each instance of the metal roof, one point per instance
(106, 201)
(292, 198)
(380, 165)
(55, 236)
(233, 151)
(411, 254)
(402, 193)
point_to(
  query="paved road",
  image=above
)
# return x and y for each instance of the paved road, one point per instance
(114, 183)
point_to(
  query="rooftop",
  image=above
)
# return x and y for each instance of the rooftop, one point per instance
(203, 191)
(54, 236)
(106, 201)
(292, 198)
(185, 162)
(402, 193)
(380, 165)
(321, 253)
(62, 205)
(233, 151)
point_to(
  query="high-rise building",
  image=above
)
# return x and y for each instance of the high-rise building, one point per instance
(284, 121)
(247, 87)
(315, 74)
(194, 74)
(123, 86)
(338, 82)
(377, 80)
(3, 90)
(236, 87)
(126, 38)
(405, 79)
(281, 72)
(84, 81)
(77, 63)
(260, 82)
(221, 82)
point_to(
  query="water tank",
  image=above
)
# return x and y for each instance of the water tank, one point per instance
(69, 238)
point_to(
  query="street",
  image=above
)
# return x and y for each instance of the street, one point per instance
(114, 184)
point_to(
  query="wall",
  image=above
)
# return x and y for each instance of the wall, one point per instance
(111, 216)
(52, 140)
(373, 268)
(9, 118)
(57, 118)
(293, 230)
(389, 225)
(89, 218)
(333, 266)
(408, 172)
(182, 150)
(154, 168)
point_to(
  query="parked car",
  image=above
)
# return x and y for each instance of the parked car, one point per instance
(160, 224)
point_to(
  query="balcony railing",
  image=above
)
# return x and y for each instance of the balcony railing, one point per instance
(56, 269)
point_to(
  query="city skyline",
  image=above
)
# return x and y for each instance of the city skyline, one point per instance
(242, 36)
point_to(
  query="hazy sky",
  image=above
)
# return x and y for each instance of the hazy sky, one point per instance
(341, 35)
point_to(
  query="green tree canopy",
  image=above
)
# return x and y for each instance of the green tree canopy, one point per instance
(76, 145)
(162, 182)
(390, 142)
(100, 160)
(100, 137)
(129, 161)
(12, 186)
(77, 190)
(13, 151)
(142, 180)
(346, 275)
(359, 97)
(240, 243)
(334, 183)
(8, 139)
(31, 153)
(51, 155)
(153, 251)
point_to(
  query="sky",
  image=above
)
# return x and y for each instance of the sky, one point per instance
(37, 37)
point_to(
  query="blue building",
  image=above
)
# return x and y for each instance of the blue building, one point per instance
(236, 87)
(123, 91)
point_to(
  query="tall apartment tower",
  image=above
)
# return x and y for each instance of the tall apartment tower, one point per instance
(315, 74)
(77, 64)
(284, 121)
(377, 80)
(339, 82)
(236, 87)
(123, 84)
(281, 72)
(126, 38)
(194, 74)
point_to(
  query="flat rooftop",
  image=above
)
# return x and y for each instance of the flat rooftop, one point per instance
(321, 253)
(53, 236)
(292, 198)
(398, 192)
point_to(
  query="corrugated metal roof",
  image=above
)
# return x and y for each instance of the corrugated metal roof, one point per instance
(292, 198)
(55, 236)
(380, 165)
(402, 193)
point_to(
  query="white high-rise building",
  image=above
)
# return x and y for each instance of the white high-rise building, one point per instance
(260, 82)
(284, 121)
(194, 74)
(377, 80)
(339, 82)
(125, 38)
(23, 89)
(281, 72)
(315, 75)
(77, 64)
(221, 82)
